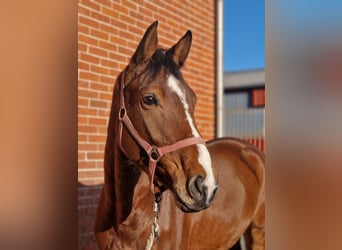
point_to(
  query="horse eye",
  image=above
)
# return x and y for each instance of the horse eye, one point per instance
(150, 100)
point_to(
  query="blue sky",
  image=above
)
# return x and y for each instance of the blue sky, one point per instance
(244, 34)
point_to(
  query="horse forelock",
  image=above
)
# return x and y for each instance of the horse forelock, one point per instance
(161, 59)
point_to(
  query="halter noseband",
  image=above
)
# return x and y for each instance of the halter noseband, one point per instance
(154, 153)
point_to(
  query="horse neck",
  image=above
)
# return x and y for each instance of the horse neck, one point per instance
(126, 177)
(121, 175)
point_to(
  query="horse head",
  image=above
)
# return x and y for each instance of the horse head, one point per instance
(160, 105)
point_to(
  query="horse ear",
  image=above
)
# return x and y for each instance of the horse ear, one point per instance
(147, 45)
(181, 49)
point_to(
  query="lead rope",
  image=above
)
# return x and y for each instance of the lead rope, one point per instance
(154, 235)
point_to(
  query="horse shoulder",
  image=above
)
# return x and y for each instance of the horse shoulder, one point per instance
(256, 162)
(240, 164)
(227, 151)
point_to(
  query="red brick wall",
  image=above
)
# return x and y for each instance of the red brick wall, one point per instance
(108, 34)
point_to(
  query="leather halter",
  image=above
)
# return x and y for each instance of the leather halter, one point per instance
(154, 153)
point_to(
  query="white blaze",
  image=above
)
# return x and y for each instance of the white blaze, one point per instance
(203, 153)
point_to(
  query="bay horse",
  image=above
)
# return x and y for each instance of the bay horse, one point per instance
(205, 195)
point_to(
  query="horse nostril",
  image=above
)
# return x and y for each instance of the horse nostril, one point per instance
(196, 188)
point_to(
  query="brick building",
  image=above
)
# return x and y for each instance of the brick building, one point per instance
(108, 34)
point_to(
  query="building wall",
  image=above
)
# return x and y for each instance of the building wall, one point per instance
(244, 106)
(108, 34)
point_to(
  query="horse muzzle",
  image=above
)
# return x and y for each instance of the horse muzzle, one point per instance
(200, 197)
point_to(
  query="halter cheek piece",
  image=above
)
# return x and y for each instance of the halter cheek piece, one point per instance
(154, 153)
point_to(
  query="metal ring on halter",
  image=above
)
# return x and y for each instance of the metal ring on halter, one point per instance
(154, 154)
(122, 113)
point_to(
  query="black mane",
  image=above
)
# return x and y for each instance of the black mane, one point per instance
(162, 59)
